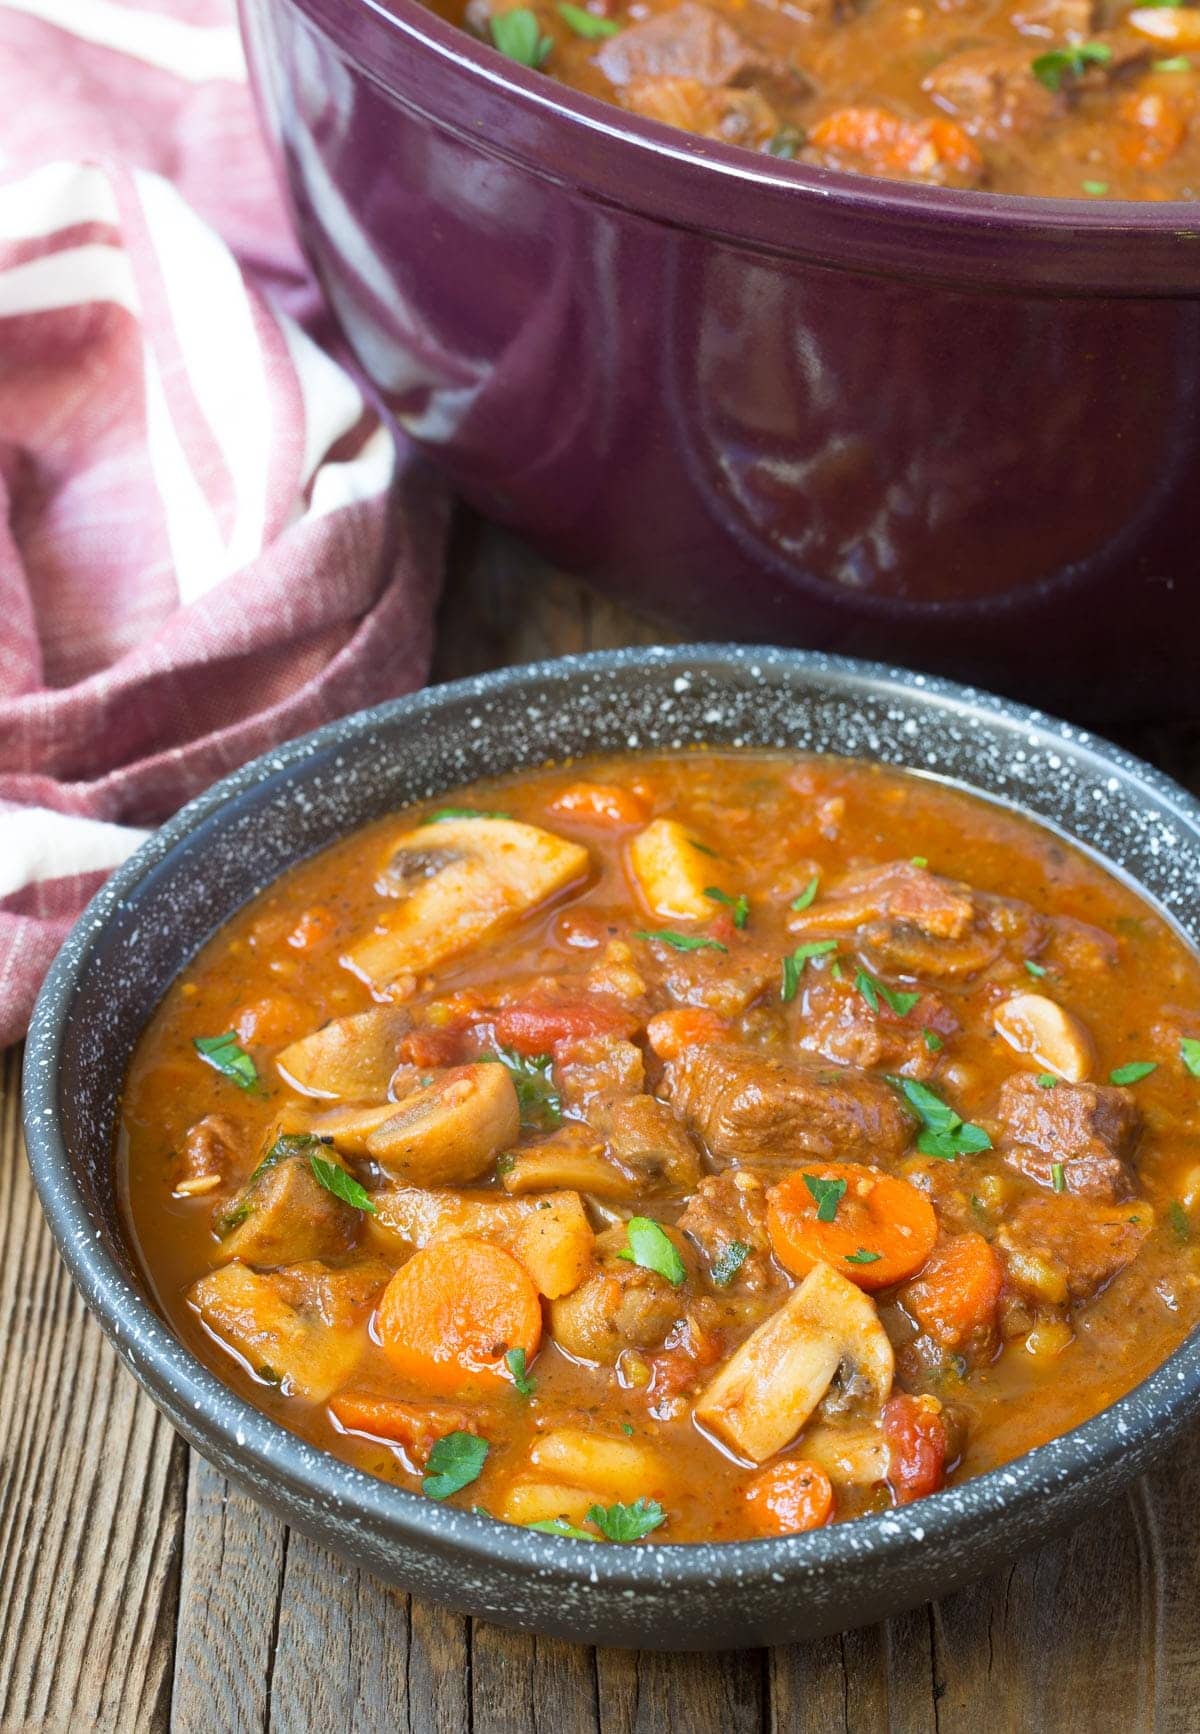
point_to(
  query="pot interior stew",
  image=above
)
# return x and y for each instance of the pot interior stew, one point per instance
(1071, 98)
(697, 1146)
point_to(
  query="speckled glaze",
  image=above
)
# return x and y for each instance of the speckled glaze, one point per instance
(190, 876)
(955, 429)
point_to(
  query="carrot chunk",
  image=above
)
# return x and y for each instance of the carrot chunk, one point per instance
(415, 1427)
(955, 1297)
(790, 1497)
(604, 804)
(315, 928)
(916, 1440)
(882, 143)
(450, 1315)
(869, 1226)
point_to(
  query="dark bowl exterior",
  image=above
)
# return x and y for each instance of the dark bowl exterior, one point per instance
(956, 429)
(189, 877)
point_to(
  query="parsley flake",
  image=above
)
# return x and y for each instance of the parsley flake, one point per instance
(862, 1256)
(560, 1526)
(1094, 189)
(1058, 63)
(1133, 1073)
(932, 1041)
(441, 814)
(518, 35)
(586, 24)
(794, 962)
(341, 1184)
(740, 905)
(785, 143)
(1047, 1081)
(1058, 1176)
(514, 1360)
(873, 990)
(945, 1134)
(224, 1055)
(680, 941)
(1189, 1053)
(728, 1263)
(1174, 63)
(627, 1522)
(533, 1078)
(807, 895)
(1179, 1220)
(651, 1248)
(1036, 969)
(454, 1462)
(703, 849)
(827, 1195)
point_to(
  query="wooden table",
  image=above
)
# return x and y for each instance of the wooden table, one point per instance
(138, 1590)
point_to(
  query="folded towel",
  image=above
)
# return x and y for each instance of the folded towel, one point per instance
(209, 540)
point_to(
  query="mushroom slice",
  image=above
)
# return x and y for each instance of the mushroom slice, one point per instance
(456, 884)
(770, 1385)
(1052, 1037)
(451, 1131)
(352, 1057)
(672, 870)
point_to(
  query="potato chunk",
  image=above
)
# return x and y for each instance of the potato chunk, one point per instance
(453, 1130)
(768, 1388)
(248, 1316)
(351, 1057)
(555, 1245)
(623, 1469)
(283, 1215)
(458, 883)
(671, 874)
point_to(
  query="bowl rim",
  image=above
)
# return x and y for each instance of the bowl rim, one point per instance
(279, 1458)
(1089, 246)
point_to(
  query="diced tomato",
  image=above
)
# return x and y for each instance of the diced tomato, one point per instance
(600, 804)
(315, 928)
(535, 1028)
(916, 1442)
(721, 928)
(425, 1047)
(670, 1032)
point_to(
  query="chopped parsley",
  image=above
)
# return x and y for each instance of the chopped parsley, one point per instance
(785, 143)
(224, 1055)
(1174, 63)
(286, 1146)
(514, 1360)
(533, 1079)
(873, 990)
(627, 1522)
(807, 895)
(920, 860)
(341, 1184)
(441, 814)
(945, 1134)
(932, 1041)
(729, 1262)
(454, 1462)
(1059, 63)
(794, 962)
(1036, 969)
(680, 941)
(1094, 189)
(1058, 1176)
(651, 1248)
(1178, 1218)
(703, 849)
(1047, 1081)
(585, 23)
(519, 35)
(862, 1256)
(740, 905)
(1133, 1072)
(1189, 1053)
(560, 1526)
(827, 1195)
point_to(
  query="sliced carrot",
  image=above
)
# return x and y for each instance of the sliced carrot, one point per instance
(416, 1427)
(790, 1497)
(954, 1299)
(670, 1032)
(600, 804)
(916, 1440)
(881, 1229)
(272, 1022)
(890, 144)
(1154, 125)
(315, 928)
(451, 1314)
(535, 1027)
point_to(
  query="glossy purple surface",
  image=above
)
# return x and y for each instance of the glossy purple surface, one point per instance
(960, 430)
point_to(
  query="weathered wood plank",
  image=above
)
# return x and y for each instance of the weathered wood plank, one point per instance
(91, 1493)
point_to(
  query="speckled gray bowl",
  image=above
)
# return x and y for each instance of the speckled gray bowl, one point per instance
(154, 914)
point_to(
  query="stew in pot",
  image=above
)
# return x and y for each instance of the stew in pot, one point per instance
(704, 1146)
(1086, 99)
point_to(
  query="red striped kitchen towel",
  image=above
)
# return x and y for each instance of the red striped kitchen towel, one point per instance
(209, 542)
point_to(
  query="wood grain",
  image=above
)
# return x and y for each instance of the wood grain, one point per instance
(139, 1591)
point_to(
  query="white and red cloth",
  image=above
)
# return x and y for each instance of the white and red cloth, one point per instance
(208, 541)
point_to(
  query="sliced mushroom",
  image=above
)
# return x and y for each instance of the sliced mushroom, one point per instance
(451, 1131)
(458, 883)
(672, 873)
(563, 1162)
(283, 1215)
(351, 1057)
(766, 1391)
(1052, 1037)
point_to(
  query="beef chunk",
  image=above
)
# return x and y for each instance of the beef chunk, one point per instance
(620, 1306)
(939, 908)
(1064, 1249)
(728, 1210)
(748, 1105)
(212, 1150)
(835, 1020)
(690, 42)
(595, 1073)
(1057, 20)
(742, 117)
(1092, 1129)
(993, 91)
(643, 1135)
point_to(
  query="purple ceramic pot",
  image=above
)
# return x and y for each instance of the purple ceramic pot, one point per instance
(954, 428)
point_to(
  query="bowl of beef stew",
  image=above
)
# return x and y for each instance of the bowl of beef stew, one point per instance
(673, 1148)
(756, 393)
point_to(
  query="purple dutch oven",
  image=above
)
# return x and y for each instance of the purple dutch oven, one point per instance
(958, 429)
